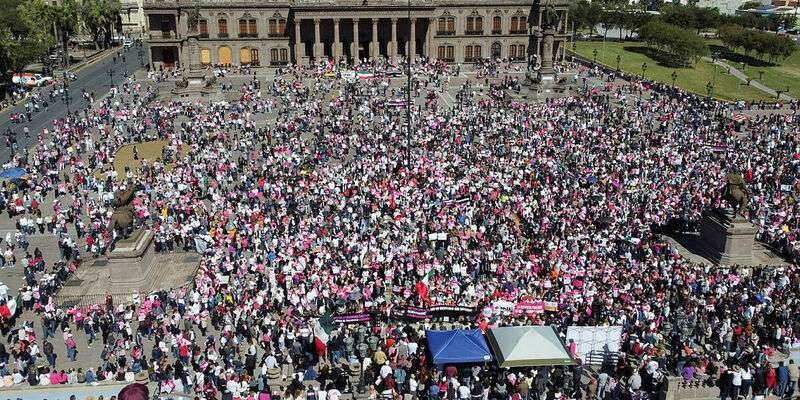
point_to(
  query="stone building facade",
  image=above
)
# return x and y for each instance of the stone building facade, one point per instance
(277, 32)
(131, 15)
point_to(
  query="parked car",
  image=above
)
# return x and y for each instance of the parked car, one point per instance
(127, 43)
(30, 79)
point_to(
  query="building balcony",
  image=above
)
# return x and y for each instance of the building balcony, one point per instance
(518, 32)
(203, 35)
(276, 34)
(223, 35)
(163, 35)
(278, 63)
(497, 32)
(248, 35)
(445, 33)
(473, 32)
(472, 59)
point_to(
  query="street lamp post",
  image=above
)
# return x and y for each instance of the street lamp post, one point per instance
(760, 75)
(618, 58)
(644, 69)
(408, 87)
(778, 92)
(674, 77)
(710, 89)
(65, 98)
(111, 75)
(594, 55)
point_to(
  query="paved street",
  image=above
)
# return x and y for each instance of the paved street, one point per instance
(92, 78)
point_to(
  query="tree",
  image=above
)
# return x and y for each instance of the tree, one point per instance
(681, 44)
(730, 35)
(610, 17)
(63, 16)
(9, 18)
(706, 18)
(17, 52)
(676, 14)
(636, 19)
(98, 17)
(749, 4)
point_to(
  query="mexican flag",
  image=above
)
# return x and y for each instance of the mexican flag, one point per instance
(365, 74)
(323, 326)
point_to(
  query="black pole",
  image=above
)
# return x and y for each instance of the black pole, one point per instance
(408, 89)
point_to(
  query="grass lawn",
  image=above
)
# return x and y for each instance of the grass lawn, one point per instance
(777, 75)
(695, 79)
(149, 151)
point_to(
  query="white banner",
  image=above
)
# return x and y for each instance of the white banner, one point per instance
(596, 344)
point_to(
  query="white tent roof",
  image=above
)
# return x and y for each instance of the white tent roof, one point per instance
(528, 346)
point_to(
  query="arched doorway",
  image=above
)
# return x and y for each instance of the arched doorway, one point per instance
(225, 55)
(244, 56)
(205, 56)
(497, 50)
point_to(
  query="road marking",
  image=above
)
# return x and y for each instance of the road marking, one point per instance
(445, 96)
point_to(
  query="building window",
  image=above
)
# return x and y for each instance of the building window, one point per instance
(252, 27)
(472, 53)
(279, 56)
(222, 27)
(497, 26)
(446, 53)
(277, 27)
(254, 57)
(516, 52)
(474, 26)
(446, 26)
(202, 28)
(519, 25)
(248, 28)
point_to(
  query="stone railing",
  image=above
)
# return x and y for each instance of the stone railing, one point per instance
(678, 389)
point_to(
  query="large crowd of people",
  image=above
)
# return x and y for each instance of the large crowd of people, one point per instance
(313, 209)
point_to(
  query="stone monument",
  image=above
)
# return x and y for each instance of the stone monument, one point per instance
(131, 267)
(728, 235)
(194, 82)
(541, 77)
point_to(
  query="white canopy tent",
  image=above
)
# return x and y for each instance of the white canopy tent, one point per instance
(528, 346)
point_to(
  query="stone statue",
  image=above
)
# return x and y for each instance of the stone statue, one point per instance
(550, 17)
(193, 19)
(124, 216)
(736, 193)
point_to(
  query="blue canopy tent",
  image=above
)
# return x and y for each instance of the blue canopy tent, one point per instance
(458, 347)
(12, 174)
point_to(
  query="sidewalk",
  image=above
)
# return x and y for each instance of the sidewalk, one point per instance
(754, 83)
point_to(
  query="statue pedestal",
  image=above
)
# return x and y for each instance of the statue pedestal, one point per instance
(129, 262)
(131, 269)
(195, 85)
(729, 239)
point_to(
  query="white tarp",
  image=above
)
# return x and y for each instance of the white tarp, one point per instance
(596, 344)
(528, 346)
